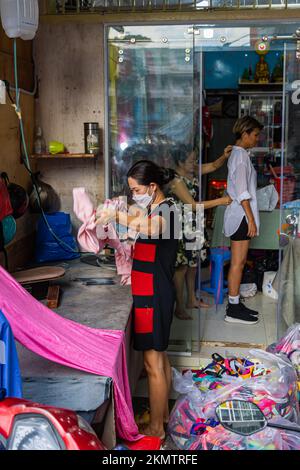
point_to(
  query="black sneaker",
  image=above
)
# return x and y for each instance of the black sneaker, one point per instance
(235, 314)
(248, 310)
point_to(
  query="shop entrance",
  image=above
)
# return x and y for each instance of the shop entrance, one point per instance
(172, 89)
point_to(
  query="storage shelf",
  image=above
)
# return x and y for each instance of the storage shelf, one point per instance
(62, 155)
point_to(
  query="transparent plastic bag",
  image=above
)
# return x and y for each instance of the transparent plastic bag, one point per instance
(219, 438)
(274, 393)
(267, 198)
(289, 345)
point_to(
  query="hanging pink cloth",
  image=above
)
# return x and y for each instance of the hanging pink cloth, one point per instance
(66, 342)
(93, 238)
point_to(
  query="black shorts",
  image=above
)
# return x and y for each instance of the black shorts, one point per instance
(241, 233)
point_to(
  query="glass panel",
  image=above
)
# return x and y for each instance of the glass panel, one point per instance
(237, 81)
(288, 183)
(152, 115)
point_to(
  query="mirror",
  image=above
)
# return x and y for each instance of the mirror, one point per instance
(241, 417)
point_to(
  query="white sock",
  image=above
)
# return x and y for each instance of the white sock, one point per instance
(234, 300)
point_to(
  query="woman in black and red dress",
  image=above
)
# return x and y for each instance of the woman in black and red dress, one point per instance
(156, 223)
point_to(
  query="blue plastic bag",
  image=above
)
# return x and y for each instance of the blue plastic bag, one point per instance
(10, 376)
(50, 249)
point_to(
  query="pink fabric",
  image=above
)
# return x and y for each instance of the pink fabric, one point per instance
(66, 342)
(93, 238)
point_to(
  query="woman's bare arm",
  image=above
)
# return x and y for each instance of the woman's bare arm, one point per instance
(137, 219)
(213, 166)
(179, 188)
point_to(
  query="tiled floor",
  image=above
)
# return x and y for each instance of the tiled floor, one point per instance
(218, 336)
(208, 325)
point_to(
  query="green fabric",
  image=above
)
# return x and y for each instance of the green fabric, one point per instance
(287, 283)
(269, 224)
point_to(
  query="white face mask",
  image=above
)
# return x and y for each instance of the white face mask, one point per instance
(143, 200)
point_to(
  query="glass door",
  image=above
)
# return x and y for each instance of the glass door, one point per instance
(288, 183)
(242, 74)
(174, 93)
(153, 113)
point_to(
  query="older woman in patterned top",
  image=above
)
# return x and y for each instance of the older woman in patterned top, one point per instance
(185, 190)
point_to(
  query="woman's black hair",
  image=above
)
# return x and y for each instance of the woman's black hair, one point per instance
(180, 152)
(146, 172)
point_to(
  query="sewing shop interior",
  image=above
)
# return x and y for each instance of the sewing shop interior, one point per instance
(68, 138)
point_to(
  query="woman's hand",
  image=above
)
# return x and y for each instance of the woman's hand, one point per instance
(227, 151)
(104, 216)
(252, 229)
(226, 200)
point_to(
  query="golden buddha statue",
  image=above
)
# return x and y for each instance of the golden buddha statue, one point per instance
(262, 74)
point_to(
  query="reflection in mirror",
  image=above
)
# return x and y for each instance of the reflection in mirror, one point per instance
(241, 417)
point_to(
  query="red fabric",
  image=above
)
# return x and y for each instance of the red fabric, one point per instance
(141, 283)
(5, 205)
(143, 320)
(144, 252)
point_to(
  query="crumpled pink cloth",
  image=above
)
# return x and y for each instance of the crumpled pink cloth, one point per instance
(66, 342)
(93, 238)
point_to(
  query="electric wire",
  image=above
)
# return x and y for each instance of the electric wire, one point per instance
(26, 160)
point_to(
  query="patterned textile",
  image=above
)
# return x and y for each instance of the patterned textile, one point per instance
(188, 254)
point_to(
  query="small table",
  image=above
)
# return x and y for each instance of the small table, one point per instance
(269, 224)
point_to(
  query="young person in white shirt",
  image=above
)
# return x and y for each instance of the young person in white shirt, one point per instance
(241, 219)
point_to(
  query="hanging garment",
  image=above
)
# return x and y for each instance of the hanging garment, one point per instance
(93, 238)
(10, 377)
(66, 342)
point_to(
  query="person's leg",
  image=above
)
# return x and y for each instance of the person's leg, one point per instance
(158, 392)
(236, 312)
(192, 301)
(239, 251)
(168, 375)
(179, 282)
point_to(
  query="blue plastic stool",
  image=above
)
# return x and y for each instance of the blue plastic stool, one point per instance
(215, 286)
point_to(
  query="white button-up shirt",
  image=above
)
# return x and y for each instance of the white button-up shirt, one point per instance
(241, 185)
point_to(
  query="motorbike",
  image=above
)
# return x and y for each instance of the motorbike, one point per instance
(25, 425)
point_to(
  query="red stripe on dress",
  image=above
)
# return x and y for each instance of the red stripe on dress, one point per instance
(141, 283)
(144, 252)
(143, 320)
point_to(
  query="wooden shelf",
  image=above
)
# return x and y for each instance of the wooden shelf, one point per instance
(62, 155)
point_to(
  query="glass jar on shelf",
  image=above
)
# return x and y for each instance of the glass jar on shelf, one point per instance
(39, 144)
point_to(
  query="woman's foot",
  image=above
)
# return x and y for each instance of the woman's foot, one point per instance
(147, 430)
(195, 303)
(182, 314)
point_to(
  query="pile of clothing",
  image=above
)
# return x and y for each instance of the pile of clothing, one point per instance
(265, 379)
(93, 238)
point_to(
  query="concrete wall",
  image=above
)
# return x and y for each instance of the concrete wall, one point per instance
(20, 250)
(69, 63)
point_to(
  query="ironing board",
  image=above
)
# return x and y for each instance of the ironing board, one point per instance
(40, 274)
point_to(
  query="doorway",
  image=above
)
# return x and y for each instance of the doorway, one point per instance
(173, 85)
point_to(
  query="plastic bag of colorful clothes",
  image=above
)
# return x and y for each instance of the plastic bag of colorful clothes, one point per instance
(218, 373)
(219, 438)
(275, 393)
(289, 345)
